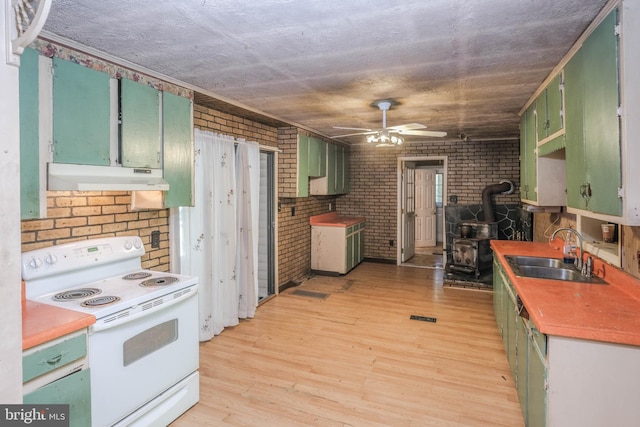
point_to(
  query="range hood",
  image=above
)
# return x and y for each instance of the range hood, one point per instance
(63, 176)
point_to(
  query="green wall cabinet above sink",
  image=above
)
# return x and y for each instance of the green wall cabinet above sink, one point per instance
(593, 126)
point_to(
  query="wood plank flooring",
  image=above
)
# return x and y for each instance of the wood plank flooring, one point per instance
(355, 358)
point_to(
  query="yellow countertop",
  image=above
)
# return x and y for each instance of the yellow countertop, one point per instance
(43, 322)
(608, 313)
(332, 219)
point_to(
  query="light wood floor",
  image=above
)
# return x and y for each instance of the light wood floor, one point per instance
(355, 358)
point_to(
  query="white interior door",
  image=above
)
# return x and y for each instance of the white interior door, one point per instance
(408, 248)
(425, 211)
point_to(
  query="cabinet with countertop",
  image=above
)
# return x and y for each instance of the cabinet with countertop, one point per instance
(578, 339)
(337, 243)
(55, 361)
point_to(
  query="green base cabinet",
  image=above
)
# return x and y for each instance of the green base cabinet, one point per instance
(525, 349)
(74, 390)
(53, 373)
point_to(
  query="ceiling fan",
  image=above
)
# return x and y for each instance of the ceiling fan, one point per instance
(392, 135)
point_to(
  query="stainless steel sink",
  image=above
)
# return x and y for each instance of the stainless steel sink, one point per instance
(536, 261)
(548, 268)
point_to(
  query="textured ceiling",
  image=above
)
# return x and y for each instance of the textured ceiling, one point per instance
(460, 66)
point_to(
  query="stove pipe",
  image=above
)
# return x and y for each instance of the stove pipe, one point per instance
(504, 187)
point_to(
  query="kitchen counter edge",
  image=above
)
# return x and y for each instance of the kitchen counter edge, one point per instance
(42, 323)
(552, 306)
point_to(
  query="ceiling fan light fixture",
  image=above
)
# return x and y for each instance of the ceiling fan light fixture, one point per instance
(383, 137)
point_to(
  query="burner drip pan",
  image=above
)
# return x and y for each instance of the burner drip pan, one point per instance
(76, 294)
(159, 281)
(100, 301)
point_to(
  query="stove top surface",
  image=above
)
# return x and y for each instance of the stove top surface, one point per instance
(107, 296)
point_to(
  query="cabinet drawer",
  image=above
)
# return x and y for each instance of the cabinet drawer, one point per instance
(49, 358)
(74, 390)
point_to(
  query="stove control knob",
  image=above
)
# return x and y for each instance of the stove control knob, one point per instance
(137, 243)
(128, 245)
(51, 259)
(35, 262)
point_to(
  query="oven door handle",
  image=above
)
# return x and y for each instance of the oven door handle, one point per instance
(139, 311)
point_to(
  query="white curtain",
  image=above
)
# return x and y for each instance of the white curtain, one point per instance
(217, 238)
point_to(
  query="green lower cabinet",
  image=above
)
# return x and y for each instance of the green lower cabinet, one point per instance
(350, 246)
(73, 390)
(525, 348)
(537, 388)
(522, 370)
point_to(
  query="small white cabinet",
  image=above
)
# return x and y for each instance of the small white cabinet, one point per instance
(337, 249)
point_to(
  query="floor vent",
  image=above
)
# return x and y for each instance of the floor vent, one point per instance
(423, 318)
(310, 294)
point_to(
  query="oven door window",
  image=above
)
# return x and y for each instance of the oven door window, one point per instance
(149, 341)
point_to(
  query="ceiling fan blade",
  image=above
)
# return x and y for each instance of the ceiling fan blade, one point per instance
(422, 133)
(408, 126)
(353, 134)
(348, 128)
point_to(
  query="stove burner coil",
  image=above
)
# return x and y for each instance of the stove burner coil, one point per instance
(137, 276)
(100, 301)
(76, 294)
(159, 281)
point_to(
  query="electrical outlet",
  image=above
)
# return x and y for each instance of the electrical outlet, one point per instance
(391, 243)
(293, 210)
(329, 206)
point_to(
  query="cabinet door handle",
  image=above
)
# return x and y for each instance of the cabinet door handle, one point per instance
(585, 190)
(55, 360)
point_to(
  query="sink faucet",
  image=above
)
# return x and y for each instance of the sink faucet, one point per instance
(571, 230)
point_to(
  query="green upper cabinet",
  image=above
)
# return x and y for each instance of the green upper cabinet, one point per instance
(81, 114)
(140, 142)
(528, 155)
(317, 161)
(303, 166)
(312, 162)
(177, 131)
(575, 146)
(593, 135)
(555, 105)
(549, 111)
(29, 136)
(336, 178)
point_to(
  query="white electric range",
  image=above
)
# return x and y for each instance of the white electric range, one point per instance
(143, 348)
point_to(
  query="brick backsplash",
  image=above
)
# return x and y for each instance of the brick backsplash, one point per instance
(81, 215)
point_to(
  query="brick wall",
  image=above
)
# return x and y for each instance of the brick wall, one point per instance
(471, 167)
(81, 215)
